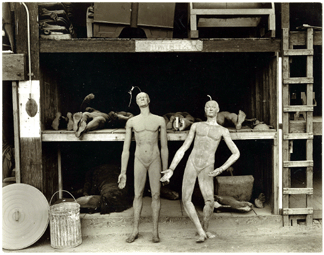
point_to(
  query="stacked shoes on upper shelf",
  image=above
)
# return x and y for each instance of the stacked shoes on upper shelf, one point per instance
(55, 20)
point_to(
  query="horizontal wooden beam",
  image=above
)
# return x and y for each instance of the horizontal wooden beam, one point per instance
(298, 80)
(298, 136)
(105, 45)
(241, 45)
(305, 163)
(229, 22)
(232, 11)
(298, 108)
(295, 211)
(13, 67)
(297, 191)
(299, 52)
(97, 45)
(118, 135)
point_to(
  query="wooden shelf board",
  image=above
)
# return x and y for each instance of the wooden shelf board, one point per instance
(110, 45)
(111, 135)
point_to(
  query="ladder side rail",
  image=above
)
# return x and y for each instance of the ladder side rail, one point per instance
(309, 125)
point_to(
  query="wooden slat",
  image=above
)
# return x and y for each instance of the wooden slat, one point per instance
(258, 99)
(298, 80)
(298, 108)
(305, 163)
(297, 191)
(298, 136)
(298, 52)
(295, 211)
(229, 22)
(232, 11)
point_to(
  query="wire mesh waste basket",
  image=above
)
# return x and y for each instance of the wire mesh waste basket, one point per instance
(65, 225)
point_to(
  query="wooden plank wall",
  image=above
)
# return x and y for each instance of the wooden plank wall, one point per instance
(264, 93)
(264, 107)
(49, 97)
(49, 106)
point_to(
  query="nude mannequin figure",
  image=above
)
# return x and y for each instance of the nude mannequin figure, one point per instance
(200, 164)
(146, 128)
(91, 119)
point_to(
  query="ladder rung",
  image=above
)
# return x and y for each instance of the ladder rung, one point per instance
(298, 80)
(295, 191)
(304, 163)
(299, 52)
(298, 108)
(298, 136)
(295, 211)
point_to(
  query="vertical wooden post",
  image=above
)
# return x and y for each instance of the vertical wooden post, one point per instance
(285, 101)
(30, 140)
(15, 106)
(59, 166)
(309, 125)
(274, 121)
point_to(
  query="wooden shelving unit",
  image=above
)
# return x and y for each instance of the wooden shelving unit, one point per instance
(39, 165)
(111, 135)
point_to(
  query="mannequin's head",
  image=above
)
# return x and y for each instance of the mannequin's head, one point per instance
(211, 108)
(142, 99)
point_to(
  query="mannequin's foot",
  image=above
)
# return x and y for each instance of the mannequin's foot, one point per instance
(201, 239)
(81, 129)
(155, 239)
(132, 238)
(76, 119)
(210, 235)
(240, 119)
(56, 121)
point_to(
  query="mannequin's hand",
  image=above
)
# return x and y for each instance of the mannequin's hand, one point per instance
(216, 172)
(122, 181)
(167, 175)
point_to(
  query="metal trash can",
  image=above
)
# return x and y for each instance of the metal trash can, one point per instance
(65, 224)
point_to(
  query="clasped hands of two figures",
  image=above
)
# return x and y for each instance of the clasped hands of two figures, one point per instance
(168, 174)
(166, 177)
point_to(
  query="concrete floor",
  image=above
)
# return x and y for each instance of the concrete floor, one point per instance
(255, 231)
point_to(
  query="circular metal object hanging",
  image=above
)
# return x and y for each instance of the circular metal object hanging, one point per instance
(31, 107)
(24, 216)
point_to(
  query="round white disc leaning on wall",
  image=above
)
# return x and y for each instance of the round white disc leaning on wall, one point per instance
(24, 216)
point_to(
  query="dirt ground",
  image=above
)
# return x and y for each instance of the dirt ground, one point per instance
(179, 236)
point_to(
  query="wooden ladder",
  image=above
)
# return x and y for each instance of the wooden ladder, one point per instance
(292, 215)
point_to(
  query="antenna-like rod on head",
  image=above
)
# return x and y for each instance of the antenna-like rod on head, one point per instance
(131, 94)
(210, 98)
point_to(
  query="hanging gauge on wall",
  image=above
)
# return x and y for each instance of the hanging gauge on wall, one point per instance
(31, 105)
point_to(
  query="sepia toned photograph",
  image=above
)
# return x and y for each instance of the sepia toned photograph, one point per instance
(162, 127)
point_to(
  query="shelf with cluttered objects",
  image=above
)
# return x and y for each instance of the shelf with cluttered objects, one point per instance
(177, 130)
